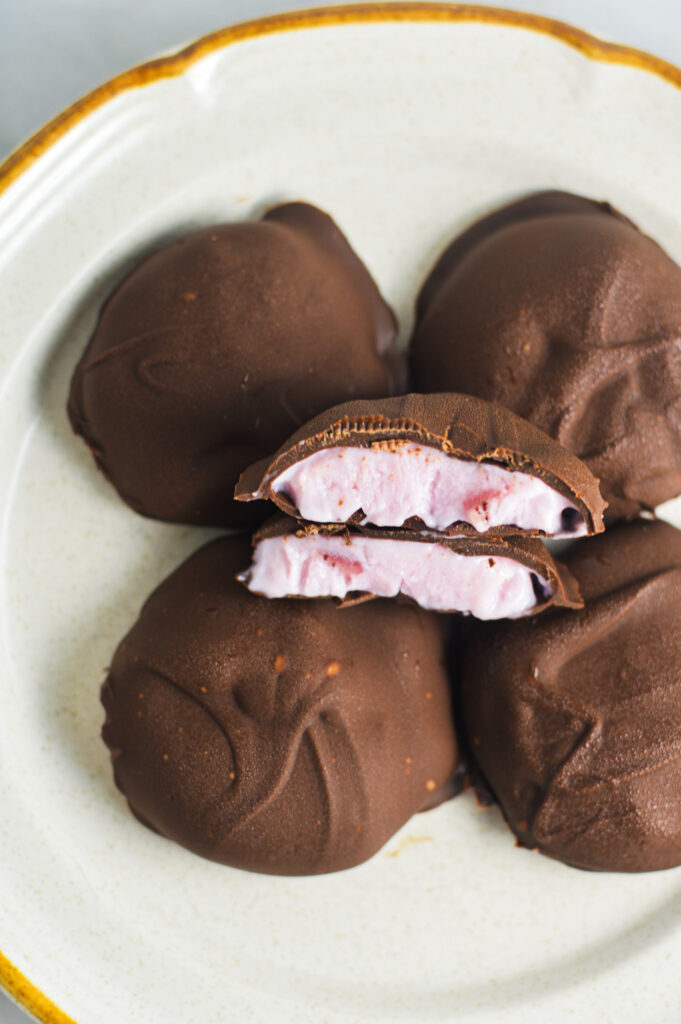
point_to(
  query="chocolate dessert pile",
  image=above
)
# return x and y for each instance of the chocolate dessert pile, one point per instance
(285, 715)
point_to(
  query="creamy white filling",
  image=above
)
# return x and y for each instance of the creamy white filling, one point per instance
(433, 575)
(390, 486)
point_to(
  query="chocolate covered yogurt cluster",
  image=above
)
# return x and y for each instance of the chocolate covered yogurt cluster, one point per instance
(285, 705)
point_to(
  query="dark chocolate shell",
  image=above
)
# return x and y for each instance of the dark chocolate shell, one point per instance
(278, 736)
(216, 347)
(458, 425)
(528, 551)
(573, 720)
(557, 307)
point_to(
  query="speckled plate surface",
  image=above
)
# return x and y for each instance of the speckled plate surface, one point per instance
(405, 125)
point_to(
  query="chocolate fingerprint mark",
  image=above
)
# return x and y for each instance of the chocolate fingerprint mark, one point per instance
(270, 744)
(345, 799)
(169, 374)
(604, 365)
(315, 740)
(125, 346)
(204, 707)
(540, 825)
(578, 773)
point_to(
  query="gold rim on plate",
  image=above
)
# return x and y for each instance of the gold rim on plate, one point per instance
(175, 64)
(11, 979)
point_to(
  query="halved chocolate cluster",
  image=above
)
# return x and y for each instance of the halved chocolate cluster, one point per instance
(437, 498)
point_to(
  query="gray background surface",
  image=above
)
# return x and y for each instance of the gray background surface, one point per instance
(53, 51)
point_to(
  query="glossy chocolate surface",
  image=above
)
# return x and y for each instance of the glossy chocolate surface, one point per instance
(288, 737)
(573, 720)
(559, 308)
(460, 426)
(215, 348)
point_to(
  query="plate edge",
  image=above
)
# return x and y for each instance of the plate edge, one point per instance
(28, 997)
(174, 64)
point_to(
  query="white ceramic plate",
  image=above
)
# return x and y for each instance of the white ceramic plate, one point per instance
(404, 125)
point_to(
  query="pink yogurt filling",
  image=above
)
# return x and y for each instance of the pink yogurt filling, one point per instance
(433, 575)
(415, 480)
